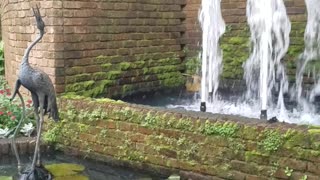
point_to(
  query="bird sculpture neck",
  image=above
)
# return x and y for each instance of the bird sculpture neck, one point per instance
(25, 59)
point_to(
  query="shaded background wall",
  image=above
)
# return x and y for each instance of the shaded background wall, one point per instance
(124, 46)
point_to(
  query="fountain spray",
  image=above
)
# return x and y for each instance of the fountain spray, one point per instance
(213, 27)
(311, 53)
(270, 28)
(264, 71)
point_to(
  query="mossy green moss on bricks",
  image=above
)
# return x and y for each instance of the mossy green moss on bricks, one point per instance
(80, 86)
(172, 79)
(141, 134)
(235, 45)
(126, 76)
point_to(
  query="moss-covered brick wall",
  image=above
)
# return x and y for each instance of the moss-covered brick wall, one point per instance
(214, 146)
(107, 48)
(236, 41)
(120, 76)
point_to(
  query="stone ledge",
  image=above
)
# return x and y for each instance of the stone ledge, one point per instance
(25, 145)
(203, 144)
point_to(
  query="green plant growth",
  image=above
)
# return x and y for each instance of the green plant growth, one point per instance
(193, 62)
(274, 168)
(193, 65)
(11, 111)
(221, 129)
(1, 58)
(288, 171)
(305, 177)
(51, 135)
(272, 141)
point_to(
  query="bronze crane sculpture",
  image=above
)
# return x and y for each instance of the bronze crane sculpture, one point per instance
(42, 94)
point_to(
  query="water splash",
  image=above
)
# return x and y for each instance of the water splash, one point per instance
(311, 54)
(270, 28)
(213, 27)
(264, 72)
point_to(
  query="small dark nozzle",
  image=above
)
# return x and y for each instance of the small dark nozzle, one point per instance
(203, 107)
(263, 115)
(273, 120)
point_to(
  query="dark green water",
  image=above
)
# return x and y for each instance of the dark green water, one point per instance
(93, 170)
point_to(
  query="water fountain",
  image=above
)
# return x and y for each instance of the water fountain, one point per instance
(311, 53)
(270, 28)
(213, 27)
(265, 75)
(270, 39)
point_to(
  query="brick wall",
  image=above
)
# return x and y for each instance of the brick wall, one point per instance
(197, 145)
(121, 47)
(101, 47)
(235, 42)
(19, 30)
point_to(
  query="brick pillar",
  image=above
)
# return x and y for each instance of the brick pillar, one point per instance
(19, 30)
(99, 47)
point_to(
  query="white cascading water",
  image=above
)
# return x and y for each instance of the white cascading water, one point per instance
(270, 28)
(264, 71)
(213, 27)
(311, 53)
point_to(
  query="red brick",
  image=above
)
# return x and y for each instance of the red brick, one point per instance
(145, 130)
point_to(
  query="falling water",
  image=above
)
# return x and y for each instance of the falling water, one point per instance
(270, 28)
(265, 74)
(311, 53)
(213, 27)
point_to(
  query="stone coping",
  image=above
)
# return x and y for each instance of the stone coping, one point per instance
(25, 145)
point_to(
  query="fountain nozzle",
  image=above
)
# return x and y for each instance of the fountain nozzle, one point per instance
(263, 115)
(203, 107)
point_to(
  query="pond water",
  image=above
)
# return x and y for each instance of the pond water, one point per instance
(93, 170)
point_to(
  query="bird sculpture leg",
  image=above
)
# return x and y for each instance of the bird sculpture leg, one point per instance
(35, 101)
(37, 149)
(13, 142)
(36, 113)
